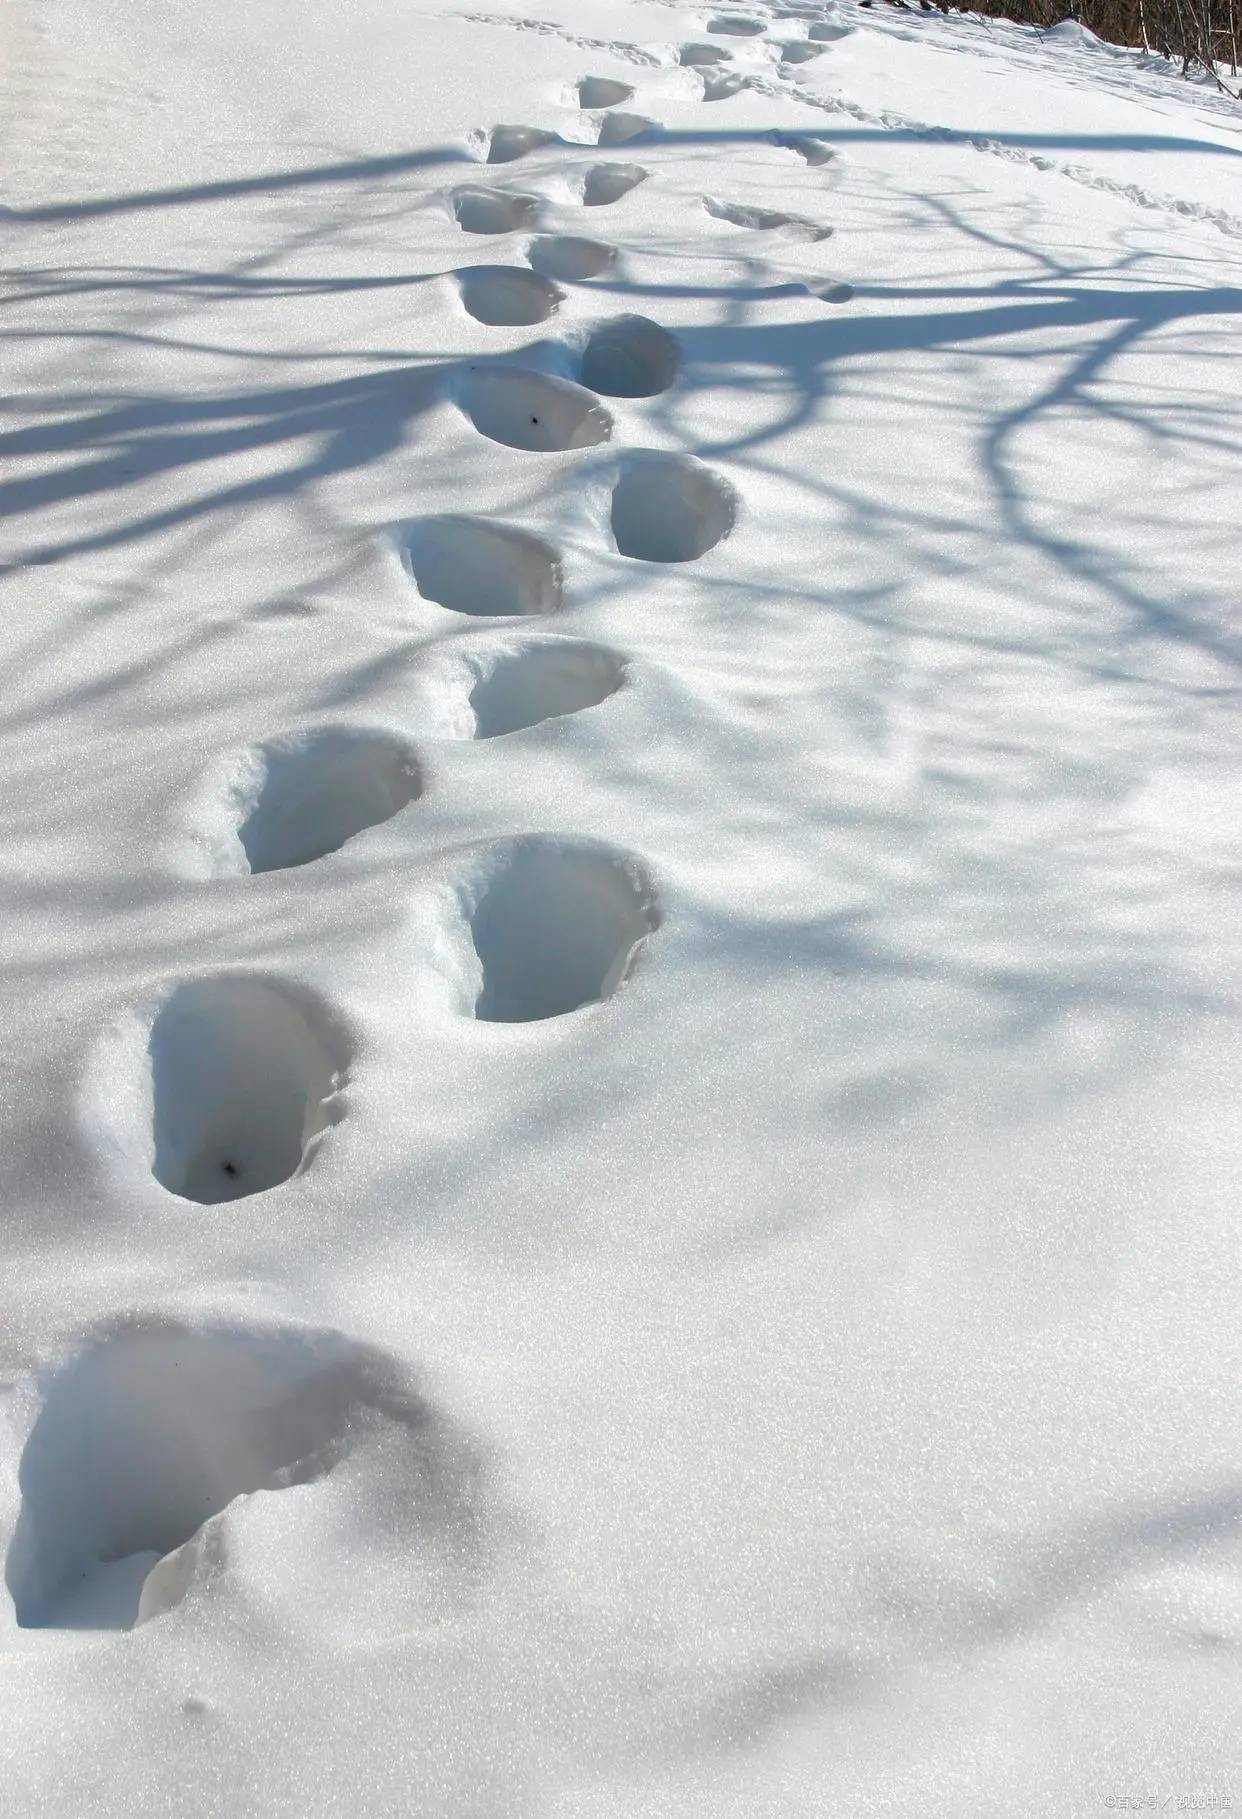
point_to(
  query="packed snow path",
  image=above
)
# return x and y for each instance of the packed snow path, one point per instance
(621, 751)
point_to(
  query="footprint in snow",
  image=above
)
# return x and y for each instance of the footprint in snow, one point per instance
(765, 220)
(532, 411)
(151, 1436)
(480, 568)
(238, 1076)
(618, 129)
(601, 91)
(605, 184)
(810, 149)
(629, 357)
(570, 258)
(669, 508)
(292, 801)
(524, 685)
(797, 50)
(719, 85)
(505, 296)
(547, 926)
(834, 292)
(732, 25)
(703, 56)
(493, 211)
(506, 143)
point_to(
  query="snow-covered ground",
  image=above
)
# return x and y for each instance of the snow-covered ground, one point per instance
(622, 863)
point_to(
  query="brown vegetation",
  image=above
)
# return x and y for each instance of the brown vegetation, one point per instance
(1201, 34)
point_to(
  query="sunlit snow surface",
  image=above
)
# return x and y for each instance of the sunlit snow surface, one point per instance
(621, 751)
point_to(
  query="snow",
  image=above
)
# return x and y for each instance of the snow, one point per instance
(621, 861)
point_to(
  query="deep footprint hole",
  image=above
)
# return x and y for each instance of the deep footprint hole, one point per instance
(480, 568)
(243, 1079)
(505, 296)
(554, 927)
(730, 25)
(494, 211)
(670, 508)
(607, 183)
(531, 411)
(629, 357)
(602, 91)
(570, 257)
(149, 1432)
(309, 795)
(541, 681)
(618, 129)
(702, 56)
(505, 143)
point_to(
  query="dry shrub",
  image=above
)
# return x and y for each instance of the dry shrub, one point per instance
(1201, 34)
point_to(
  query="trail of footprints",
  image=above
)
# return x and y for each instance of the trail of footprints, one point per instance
(152, 1428)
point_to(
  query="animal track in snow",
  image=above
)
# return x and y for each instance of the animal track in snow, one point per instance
(602, 91)
(808, 147)
(827, 33)
(797, 50)
(531, 411)
(527, 684)
(617, 129)
(629, 357)
(242, 1074)
(152, 1429)
(700, 56)
(505, 296)
(729, 25)
(494, 211)
(479, 567)
(300, 798)
(505, 143)
(619, 47)
(554, 925)
(765, 220)
(570, 258)
(607, 183)
(718, 85)
(670, 508)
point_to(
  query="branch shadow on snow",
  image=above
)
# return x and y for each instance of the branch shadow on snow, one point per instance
(914, 1617)
(1057, 333)
(350, 170)
(344, 425)
(1064, 331)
